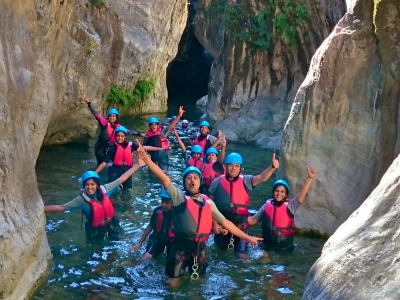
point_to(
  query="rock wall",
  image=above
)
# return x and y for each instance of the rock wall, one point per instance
(361, 260)
(345, 117)
(51, 52)
(251, 92)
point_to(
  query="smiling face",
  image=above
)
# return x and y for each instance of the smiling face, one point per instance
(112, 118)
(90, 186)
(211, 157)
(192, 183)
(280, 193)
(204, 130)
(233, 170)
(120, 137)
(195, 155)
(153, 127)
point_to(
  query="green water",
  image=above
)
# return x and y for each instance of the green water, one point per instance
(82, 270)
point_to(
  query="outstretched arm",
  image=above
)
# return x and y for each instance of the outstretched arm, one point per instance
(240, 234)
(125, 176)
(266, 174)
(139, 244)
(176, 120)
(181, 144)
(101, 167)
(164, 179)
(54, 208)
(307, 184)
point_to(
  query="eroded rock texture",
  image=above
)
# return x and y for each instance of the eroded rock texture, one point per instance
(344, 120)
(251, 92)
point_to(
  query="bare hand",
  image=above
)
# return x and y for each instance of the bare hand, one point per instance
(181, 111)
(254, 241)
(85, 99)
(311, 172)
(219, 135)
(275, 162)
(142, 154)
(223, 142)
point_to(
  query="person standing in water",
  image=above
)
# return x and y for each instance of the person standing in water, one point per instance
(96, 205)
(214, 165)
(204, 139)
(231, 194)
(193, 220)
(277, 214)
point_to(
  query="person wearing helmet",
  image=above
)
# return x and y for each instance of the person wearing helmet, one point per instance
(96, 205)
(231, 194)
(204, 139)
(195, 157)
(107, 130)
(158, 229)
(120, 156)
(156, 136)
(185, 123)
(277, 214)
(193, 220)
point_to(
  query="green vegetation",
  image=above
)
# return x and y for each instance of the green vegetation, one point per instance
(281, 17)
(96, 2)
(91, 45)
(140, 94)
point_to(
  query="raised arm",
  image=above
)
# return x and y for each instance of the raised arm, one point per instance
(218, 140)
(180, 143)
(307, 184)
(221, 155)
(164, 179)
(139, 244)
(176, 120)
(266, 174)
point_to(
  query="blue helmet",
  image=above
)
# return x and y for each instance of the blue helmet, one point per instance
(164, 196)
(192, 170)
(196, 149)
(212, 150)
(121, 128)
(281, 182)
(112, 111)
(204, 123)
(90, 175)
(234, 158)
(154, 120)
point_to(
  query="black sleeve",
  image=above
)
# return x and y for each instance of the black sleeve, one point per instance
(92, 109)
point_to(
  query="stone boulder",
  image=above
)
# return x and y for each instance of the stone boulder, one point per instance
(345, 117)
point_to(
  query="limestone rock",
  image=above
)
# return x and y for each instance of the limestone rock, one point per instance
(258, 87)
(360, 261)
(344, 120)
(202, 101)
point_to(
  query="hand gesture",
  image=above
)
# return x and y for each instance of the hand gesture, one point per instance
(219, 135)
(254, 241)
(85, 99)
(181, 111)
(142, 154)
(223, 142)
(311, 173)
(275, 162)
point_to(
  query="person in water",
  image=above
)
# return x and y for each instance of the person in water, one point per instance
(120, 155)
(204, 139)
(159, 227)
(96, 205)
(231, 194)
(107, 129)
(193, 221)
(156, 136)
(277, 214)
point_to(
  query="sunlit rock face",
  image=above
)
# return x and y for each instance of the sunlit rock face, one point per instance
(51, 53)
(251, 92)
(344, 120)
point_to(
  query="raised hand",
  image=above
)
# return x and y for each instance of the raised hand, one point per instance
(275, 162)
(142, 154)
(311, 172)
(85, 99)
(223, 142)
(181, 111)
(219, 135)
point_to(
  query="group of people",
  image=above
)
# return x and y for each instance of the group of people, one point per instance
(215, 199)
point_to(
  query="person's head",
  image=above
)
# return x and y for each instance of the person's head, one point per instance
(185, 123)
(112, 115)
(196, 152)
(154, 123)
(211, 154)
(192, 179)
(233, 163)
(120, 134)
(166, 203)
(204, 127)
(280, 190)
(90, 182)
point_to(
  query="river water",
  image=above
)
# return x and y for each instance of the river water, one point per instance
(105, 270)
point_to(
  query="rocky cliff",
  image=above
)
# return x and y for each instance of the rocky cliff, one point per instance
(345, 117)
(252, 84)
(51, 52)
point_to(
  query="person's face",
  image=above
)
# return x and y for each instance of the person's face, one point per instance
(184, 125)
(192, 183)
(204, 130)
(233, 170)
(120, 137)
(90, 186)
(196, 155)
(211, 157)
(166, 206)
(280, 193)
(112, 118)
(154, 127)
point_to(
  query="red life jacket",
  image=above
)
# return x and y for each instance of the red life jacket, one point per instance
(102, 212)
(123, 156)
(195, 163)
(209, 174)
(201, 143)
(282, 222)
(111, 132)
(240, 198)
(163, 139)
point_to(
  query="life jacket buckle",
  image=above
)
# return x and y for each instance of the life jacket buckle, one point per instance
(231, 244)
(195, 267)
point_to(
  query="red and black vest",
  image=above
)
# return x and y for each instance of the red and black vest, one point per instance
(111, 132)
(195, 163)
(202, 143)
(209, 174)
(163, 142)
(195, 221)
(281, 219)
(123, 156)
(239, 196)
(102, 212)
